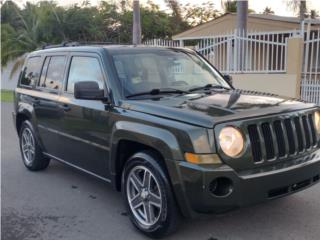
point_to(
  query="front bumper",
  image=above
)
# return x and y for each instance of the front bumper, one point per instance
(250, 187)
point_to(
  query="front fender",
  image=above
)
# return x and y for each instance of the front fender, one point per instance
(162, 140)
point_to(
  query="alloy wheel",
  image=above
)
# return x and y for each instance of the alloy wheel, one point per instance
(28, 146)
(144, 195)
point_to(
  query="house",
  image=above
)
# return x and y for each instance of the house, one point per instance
(256, 23)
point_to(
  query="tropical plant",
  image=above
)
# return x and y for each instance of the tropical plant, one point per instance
(314, 14)
(230, 6)
(299, 6)
(268, 11)
(198, 14)
(24, 29)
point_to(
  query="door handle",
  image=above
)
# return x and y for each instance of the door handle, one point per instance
(65, 107)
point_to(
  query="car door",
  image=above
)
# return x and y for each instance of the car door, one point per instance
(86, 132)
(45, 101)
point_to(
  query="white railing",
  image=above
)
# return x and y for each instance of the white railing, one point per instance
(162, 42)
(310, 81)
(235, 52)
(253, 53)
(258, 52)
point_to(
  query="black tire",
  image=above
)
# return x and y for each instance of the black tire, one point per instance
(37, 160)
(168, 215)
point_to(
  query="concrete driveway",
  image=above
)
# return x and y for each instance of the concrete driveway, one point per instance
(62, 203)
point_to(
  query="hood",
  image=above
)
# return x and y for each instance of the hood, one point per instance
(208, 109)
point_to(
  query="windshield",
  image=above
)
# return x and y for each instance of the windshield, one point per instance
(143, 71)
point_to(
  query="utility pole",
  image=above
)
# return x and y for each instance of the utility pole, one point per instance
(136, 28)
(242, 19)
(242, 16)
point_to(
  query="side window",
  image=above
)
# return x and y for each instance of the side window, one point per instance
(31, 72)
(84, 69)
(52, 73)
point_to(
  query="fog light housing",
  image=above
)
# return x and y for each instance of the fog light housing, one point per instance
(221, 187)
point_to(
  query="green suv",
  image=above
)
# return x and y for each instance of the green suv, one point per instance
(165, 128)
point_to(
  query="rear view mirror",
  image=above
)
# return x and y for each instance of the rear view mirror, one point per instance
(88, 90)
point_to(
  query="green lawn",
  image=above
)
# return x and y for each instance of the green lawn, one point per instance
(6, 95)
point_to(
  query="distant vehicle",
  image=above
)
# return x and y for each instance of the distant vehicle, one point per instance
(164, 127)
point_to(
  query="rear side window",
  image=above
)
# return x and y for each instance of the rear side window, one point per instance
(84, 69)
(52, 73)
(31, 71)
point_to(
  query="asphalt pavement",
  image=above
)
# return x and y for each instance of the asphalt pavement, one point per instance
(63, 203)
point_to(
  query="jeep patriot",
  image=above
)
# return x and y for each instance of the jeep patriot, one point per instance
(165, 128)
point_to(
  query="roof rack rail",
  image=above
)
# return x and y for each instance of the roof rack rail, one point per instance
(64, 44)
(74, 44)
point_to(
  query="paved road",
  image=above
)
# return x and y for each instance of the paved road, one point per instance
(62, 203)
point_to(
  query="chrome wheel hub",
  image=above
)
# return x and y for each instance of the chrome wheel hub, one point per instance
(144, 196)
(28, 146)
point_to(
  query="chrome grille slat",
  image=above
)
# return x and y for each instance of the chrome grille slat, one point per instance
(307, 131)
(281, 138)
(290, 136)
(313, 130)
(274, 139)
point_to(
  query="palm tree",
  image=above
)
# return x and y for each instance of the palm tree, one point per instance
(314, 14)
(136, 29)
(268, 11)
(24, 32)
(230, 6)
(300, 5)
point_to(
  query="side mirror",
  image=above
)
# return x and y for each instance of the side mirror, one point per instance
(228, 78)
(88, 90)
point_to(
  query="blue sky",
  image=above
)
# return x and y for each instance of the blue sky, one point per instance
(278, 6)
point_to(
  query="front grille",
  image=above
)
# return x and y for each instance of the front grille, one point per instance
(279, 138)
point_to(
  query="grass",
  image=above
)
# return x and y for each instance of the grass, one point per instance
(6, 95)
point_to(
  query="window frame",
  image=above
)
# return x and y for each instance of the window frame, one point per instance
(49, 56)
(25, 65)
(88, 55)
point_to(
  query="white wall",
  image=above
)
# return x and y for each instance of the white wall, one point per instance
(281, 84)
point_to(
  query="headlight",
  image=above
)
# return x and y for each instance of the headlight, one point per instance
(317, 121)
(231, 141)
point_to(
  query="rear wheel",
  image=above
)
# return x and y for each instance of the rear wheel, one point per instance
(148, 196)
(30, 149)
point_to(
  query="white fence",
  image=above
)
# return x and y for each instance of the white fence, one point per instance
(254, 53)
(162, 42)
(310, 83)
(258, 52)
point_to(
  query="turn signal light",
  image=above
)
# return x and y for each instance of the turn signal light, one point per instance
(202, 158)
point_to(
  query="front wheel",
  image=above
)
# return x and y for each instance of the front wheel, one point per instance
(148, 196)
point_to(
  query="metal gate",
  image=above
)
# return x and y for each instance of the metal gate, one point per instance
(310, 81)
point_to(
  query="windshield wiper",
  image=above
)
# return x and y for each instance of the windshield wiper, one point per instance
(157, 91)
(207, 87)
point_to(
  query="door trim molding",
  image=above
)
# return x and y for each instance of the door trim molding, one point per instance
(77, 167)
(74, 138)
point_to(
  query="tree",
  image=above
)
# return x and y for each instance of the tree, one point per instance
(268, 11)
(197, 14)
(298, 5)
(36, 24)
(314, 14)
(230, 6)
